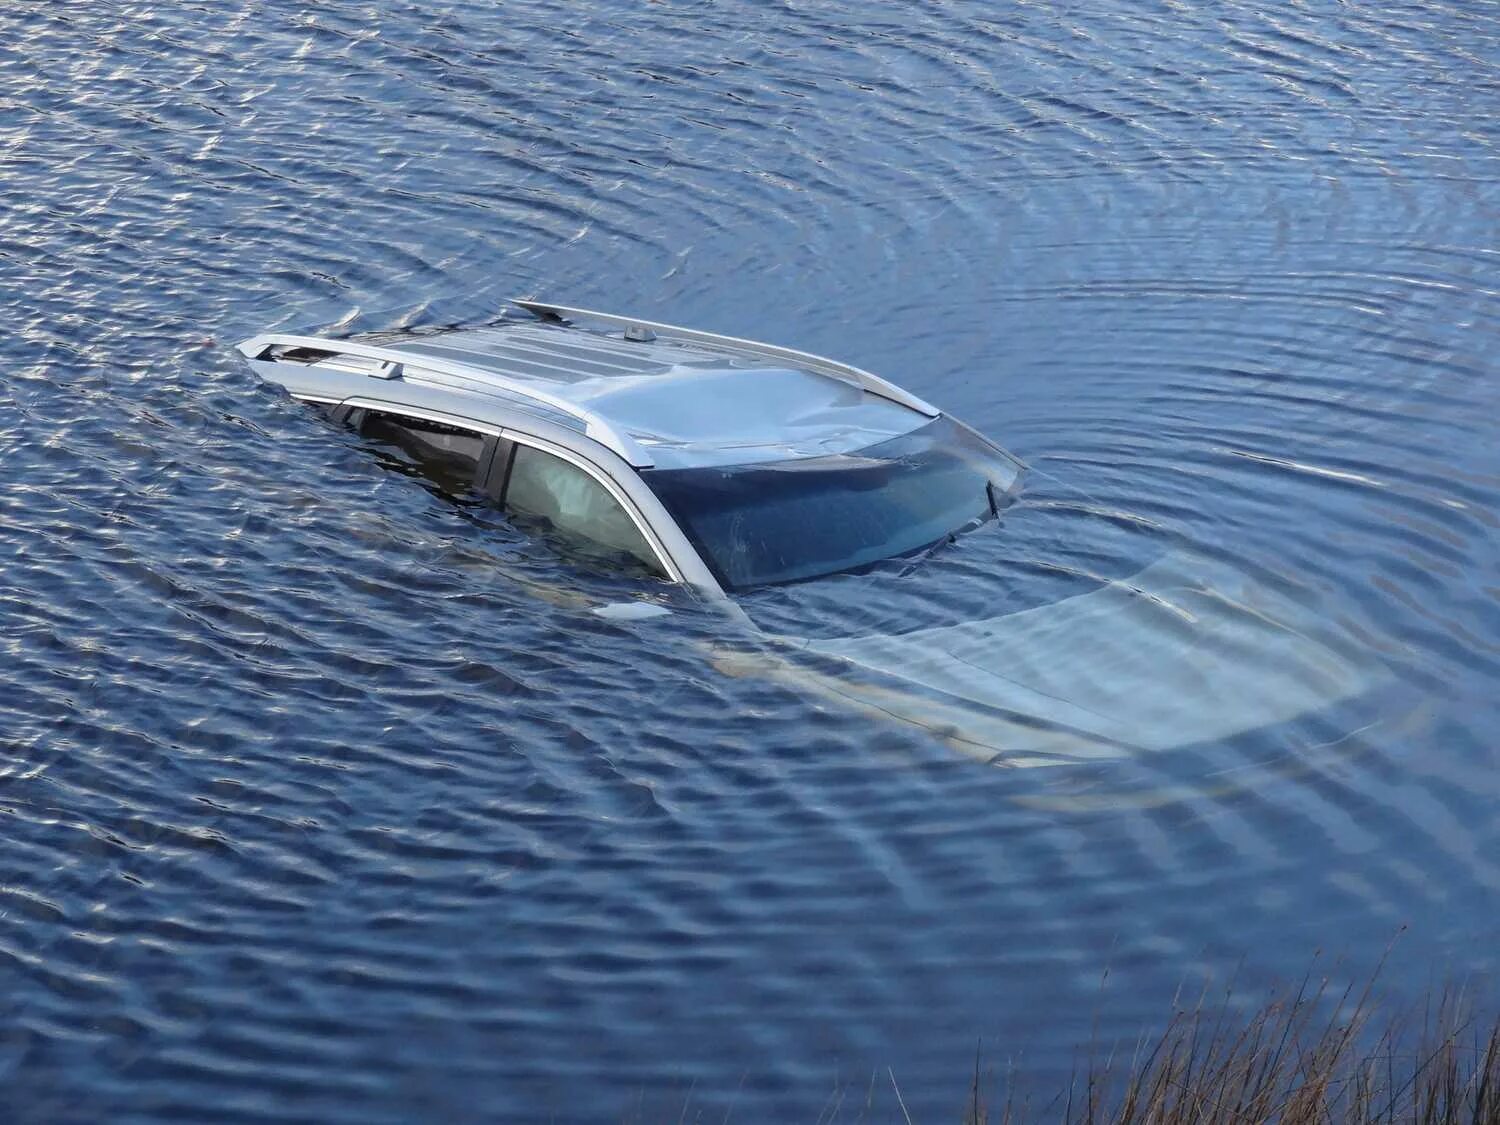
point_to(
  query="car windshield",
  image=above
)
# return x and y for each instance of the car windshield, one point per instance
(785, 521)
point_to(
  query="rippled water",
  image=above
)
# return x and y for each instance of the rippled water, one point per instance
(326, 798)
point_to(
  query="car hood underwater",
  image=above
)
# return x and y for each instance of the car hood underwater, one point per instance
(1190, 650)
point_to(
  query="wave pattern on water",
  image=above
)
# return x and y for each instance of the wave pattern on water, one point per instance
(326, 798)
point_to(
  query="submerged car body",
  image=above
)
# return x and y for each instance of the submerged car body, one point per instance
(727, 465)
(710, 461)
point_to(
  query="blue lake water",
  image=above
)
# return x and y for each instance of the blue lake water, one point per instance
(327, 799)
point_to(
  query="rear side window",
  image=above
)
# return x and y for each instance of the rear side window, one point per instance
(574, 508)
(448, 455)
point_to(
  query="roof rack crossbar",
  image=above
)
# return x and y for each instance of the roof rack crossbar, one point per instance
(844, 372)
(594, 425)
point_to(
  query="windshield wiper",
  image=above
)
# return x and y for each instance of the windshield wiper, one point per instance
(941, 542)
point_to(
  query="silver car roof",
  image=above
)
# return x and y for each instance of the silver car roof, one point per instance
(656, 394)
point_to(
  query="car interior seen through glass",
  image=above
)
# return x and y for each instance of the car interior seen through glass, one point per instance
(575, 507)
(448, 455)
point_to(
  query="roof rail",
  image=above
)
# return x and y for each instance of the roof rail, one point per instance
(394, 362)
(844, 372)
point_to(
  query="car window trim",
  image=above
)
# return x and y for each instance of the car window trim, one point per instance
(422, 413)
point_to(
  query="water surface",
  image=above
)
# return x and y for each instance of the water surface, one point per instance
(327, 799)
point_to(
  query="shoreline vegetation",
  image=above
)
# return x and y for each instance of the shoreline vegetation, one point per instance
(1305, 1057)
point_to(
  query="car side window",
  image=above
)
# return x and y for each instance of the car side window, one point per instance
(447, 455)
(574, 507)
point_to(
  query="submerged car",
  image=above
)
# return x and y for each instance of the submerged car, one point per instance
(706, 460)
(731, 466)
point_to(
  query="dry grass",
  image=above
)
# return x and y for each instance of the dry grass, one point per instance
(1306, 1058)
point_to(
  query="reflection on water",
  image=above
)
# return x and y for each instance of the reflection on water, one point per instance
(328, 798)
